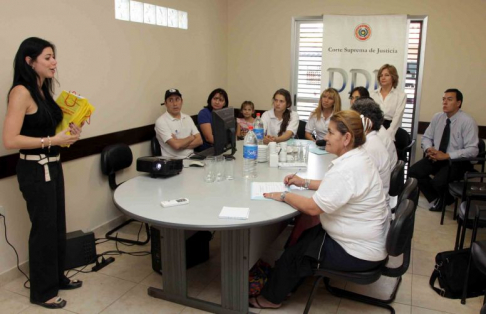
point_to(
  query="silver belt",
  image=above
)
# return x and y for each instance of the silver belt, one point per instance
(42, 160)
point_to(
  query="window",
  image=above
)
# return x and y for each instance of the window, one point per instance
(306, 69)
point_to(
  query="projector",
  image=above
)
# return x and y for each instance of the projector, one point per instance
(159, 166)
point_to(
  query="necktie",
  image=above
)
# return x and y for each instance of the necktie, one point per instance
(444, 141)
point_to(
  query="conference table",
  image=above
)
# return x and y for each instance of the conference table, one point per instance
(140, 198)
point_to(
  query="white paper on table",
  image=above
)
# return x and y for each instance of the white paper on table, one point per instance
(258, 188)
(234, 213)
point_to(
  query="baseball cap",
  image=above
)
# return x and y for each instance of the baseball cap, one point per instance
(172, 91)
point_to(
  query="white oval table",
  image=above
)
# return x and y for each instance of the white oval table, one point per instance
(140, 198)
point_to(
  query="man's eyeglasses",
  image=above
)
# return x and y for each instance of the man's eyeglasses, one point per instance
(355, 97)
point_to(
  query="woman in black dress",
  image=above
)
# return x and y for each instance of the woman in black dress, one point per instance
(30, 124)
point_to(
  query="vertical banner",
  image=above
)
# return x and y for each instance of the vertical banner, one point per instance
(355, 47)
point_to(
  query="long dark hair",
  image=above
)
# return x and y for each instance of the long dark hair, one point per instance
(286, 115)
(26, 76)
(213, 93)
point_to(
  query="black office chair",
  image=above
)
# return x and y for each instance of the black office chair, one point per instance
(403, 144)
(155, 147)
(396, 179)
(478, 256)
(398, 242)
(301, 130)
(456, 187)
(114, 158)
(474, 194)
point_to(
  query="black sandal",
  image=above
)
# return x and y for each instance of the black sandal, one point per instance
(59, 303)
(73, 284)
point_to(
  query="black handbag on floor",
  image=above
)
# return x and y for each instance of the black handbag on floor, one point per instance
(451, 271)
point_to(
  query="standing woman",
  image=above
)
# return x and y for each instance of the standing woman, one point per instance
(30, 124)
(391, 100)
(218, 99)
(329, 103)
(280, 123)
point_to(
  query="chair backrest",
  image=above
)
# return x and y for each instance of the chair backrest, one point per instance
(114, 158)
(396, 179)
(155, 147)
(410, 191)
(301, 130)
(399, 238)
(402, 143)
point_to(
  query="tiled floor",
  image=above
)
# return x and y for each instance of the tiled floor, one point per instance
(121, 287)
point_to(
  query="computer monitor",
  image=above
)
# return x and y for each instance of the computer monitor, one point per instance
(224, 131)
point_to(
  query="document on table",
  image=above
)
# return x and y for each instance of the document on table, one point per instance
(318, 151)
(234, 213)
(258, 188)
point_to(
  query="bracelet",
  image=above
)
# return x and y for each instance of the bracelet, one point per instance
(307, 183)
(42, 142)
(49, 147)
(282, 195)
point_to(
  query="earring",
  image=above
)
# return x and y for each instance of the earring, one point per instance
(33, 68)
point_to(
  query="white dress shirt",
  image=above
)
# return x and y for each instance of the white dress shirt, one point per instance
(379, 155)
(389, 145)
(166, 125)
(272, 125)
(320, 126)
(354, 209)
(393, 107)
(463, 141)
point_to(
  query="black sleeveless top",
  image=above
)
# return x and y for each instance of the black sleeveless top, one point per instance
(42, 123)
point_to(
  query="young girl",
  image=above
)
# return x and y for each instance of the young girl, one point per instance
(247, 111)
(329, 103)
(280, 123)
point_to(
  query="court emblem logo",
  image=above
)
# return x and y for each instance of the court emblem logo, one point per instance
(362, 32)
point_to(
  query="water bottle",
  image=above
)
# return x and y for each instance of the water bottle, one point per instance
(250, 154)
(258, 129)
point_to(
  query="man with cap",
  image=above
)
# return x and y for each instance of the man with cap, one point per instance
(176, 132)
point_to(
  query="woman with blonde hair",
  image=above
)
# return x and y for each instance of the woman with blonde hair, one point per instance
(352, 210)
(329, 103)
(391, 100)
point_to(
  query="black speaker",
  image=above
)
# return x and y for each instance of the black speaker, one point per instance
(80, 249)
(197, 249)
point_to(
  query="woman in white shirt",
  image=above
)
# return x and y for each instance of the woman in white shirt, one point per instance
(318, 122)
(280, 123)
(352, 210)
(391, 100)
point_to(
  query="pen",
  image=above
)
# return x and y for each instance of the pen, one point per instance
(293, 175)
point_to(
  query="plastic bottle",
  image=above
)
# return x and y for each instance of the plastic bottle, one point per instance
(250, 154)
(258, 129)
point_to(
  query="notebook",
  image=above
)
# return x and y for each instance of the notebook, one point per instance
(258, 188)
(234, 213)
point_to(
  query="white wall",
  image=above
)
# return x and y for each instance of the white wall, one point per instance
(123, 68)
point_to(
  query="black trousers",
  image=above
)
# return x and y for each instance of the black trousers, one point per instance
(432, 188)
(47, 240)
(297, 262)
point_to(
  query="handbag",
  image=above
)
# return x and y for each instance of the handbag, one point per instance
(451, 271)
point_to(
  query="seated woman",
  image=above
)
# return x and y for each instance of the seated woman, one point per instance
(280, 123)
(352, 210)
(374, 146)
(318, 122)
(218, 99)
(357, 93)
(391, 100)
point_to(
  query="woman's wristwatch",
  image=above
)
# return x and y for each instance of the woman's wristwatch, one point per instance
(307, 183)
(282, 195)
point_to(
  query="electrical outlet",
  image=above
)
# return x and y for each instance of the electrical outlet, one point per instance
(2, 210)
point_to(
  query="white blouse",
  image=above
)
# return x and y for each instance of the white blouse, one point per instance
(272, 125)
(393, 107)
(320, 126)
(354, 209)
